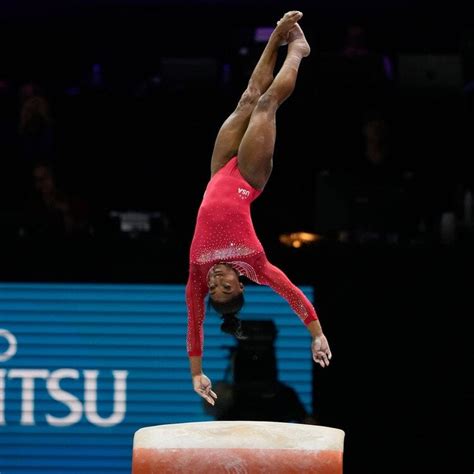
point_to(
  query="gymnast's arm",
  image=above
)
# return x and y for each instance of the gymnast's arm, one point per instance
(195, 293)
(281, 284)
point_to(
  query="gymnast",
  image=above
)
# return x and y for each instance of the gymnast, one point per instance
(225, 246)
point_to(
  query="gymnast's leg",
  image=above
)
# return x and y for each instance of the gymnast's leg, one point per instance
(232, 130)
(255, 153)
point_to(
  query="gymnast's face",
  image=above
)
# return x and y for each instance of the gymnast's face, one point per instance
(223, 283)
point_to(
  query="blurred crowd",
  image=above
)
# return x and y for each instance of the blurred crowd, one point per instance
(388, 160)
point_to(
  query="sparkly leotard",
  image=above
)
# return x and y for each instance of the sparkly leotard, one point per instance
(224, 232)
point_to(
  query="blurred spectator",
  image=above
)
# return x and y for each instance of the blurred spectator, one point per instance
(367, 64)
(51, 212)
(12, 172)
(355, 42)
(353, 79)
(8, 133)
(28, 90)
(374, 200)
(36, 126)
(7, 118)
(382, 204)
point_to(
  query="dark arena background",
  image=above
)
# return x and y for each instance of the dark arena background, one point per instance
(108, 115)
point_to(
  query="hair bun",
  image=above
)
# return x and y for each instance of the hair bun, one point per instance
(232, 325)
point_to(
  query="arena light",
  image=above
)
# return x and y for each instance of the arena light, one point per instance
(299, 239)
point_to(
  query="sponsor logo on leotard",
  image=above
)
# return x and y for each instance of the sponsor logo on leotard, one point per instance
(243, 193)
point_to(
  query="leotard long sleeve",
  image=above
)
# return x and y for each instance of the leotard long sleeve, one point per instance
(224, 232)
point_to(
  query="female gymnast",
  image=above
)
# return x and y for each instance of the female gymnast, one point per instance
(224, 245)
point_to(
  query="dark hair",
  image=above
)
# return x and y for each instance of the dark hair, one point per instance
(231, 324)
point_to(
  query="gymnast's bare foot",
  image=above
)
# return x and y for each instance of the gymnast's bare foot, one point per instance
(284, 25)
(297, 41)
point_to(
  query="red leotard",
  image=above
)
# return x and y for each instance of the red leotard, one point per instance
(224, 232)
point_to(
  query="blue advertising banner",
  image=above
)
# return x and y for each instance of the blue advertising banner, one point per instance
(83, 366)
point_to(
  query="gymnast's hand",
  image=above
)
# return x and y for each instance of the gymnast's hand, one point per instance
(203, 386)
(321, 352)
